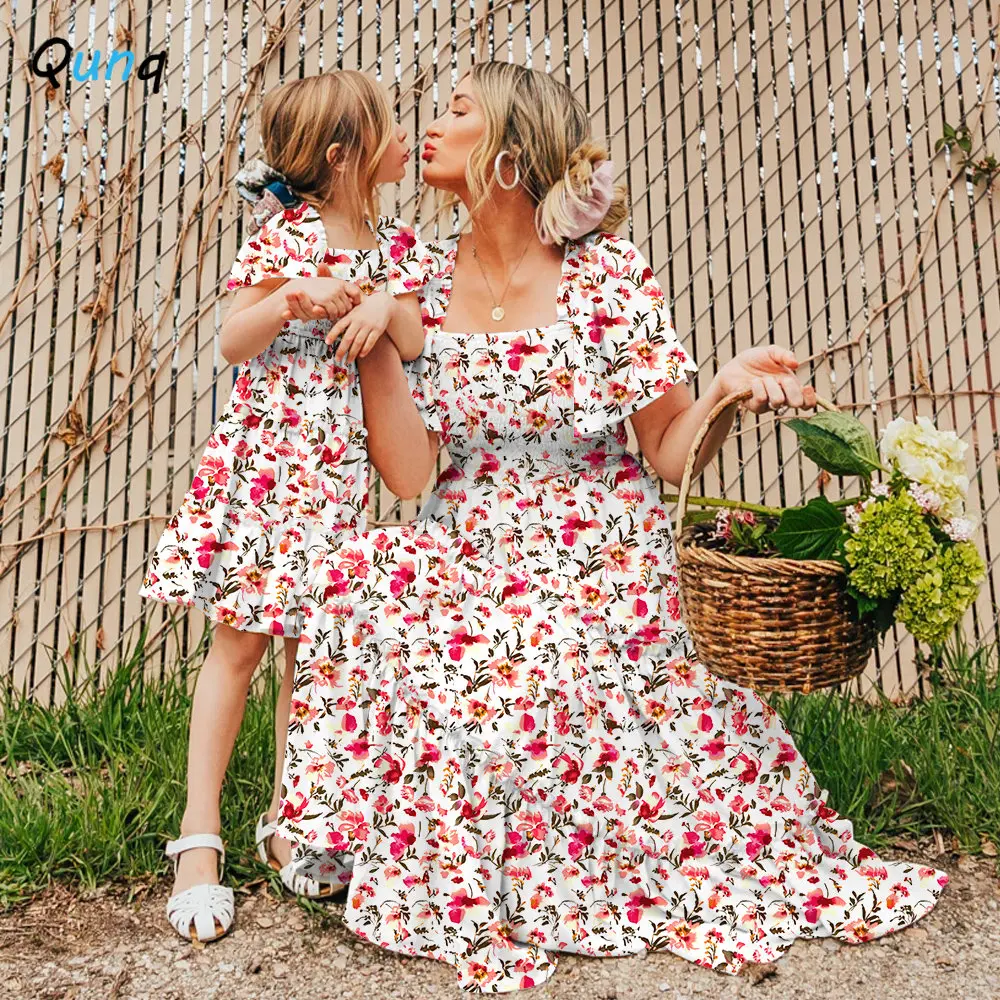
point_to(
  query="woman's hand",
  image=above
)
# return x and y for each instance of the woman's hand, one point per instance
(322, 297)
(768, 371)
(361, 328)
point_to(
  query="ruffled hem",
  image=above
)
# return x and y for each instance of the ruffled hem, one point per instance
(286, 626)
(250, 583)
(589, 795)
(460, 857)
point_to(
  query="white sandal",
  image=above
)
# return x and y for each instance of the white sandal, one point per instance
(300, 885)
(203, 912)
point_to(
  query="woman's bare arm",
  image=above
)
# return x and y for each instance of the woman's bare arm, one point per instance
(406, 326)
(665, 430)
(400, 446)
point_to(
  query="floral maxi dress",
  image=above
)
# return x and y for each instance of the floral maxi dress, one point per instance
(498, 712)
(286, 466)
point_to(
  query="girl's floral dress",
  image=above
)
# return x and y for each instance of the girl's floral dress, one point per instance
(285, 467)
(498, 711)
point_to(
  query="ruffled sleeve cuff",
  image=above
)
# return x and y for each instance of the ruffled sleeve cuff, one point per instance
(628, 350)
(283, 247)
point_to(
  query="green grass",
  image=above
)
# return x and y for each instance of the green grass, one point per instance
(95, 787)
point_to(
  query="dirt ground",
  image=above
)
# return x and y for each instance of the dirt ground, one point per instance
(65, 946)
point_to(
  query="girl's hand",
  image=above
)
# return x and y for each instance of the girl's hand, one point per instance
(322, 297)
(768, 372)
(360, 329)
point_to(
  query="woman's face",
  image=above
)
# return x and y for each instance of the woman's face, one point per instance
(392, 166)
(451, 138)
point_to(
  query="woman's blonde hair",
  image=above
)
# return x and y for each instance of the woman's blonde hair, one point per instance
(301, 118)
(547, 132)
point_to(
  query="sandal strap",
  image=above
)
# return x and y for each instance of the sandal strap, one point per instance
(192, 840)
(265, 828)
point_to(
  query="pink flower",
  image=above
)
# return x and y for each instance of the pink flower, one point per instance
(637, 902)
(358, 748)
(716, 749)
(521, 349)
(600, 320)
(751, 769)
(209, 546)
(401, 242)
(460, 902)
(402, 577)
(261, 485)
(403, 838)
(290, 416)
(758, 840)
(294, 806)
(353, 825)
(336, 841)
(460, 640)
(695, 846)
(786, 755)
(580, 841)
(573, 524)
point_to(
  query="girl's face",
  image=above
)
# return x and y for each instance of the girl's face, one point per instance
(451, 138)
(392, 166)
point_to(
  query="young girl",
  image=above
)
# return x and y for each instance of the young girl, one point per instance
(285, 468)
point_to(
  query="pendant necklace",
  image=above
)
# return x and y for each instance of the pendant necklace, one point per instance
(498, 312)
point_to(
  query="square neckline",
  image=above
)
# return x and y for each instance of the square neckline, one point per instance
(321, 227)
(562, 316)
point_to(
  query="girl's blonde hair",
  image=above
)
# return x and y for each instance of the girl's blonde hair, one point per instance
(547, 132)
(301, 118)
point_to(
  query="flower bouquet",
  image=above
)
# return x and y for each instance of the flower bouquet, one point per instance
(796, 597)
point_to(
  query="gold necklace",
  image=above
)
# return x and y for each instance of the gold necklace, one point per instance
(498, 312)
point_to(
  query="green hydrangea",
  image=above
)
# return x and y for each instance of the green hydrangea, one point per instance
(933, 605)
(889, 547)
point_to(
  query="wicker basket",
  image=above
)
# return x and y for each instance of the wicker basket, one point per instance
(784, 624)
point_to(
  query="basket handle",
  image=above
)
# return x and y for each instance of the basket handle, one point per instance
(717, 411)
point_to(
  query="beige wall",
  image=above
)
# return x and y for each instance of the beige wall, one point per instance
(783, 183)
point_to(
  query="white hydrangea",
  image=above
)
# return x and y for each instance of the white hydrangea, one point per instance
(928, 501)
(960, 529)
(934, 459)
(879, 490)
(853, 516)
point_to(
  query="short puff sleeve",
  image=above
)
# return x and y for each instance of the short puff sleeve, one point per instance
(628, 350)
(285, 246)
(421, 375)
(410, 263)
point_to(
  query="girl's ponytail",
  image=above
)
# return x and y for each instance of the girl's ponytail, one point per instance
(265, 188)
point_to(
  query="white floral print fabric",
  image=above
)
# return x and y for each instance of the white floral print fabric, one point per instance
(498, 712)
(285, 468)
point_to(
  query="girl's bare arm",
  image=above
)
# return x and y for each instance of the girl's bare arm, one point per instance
(253, 320)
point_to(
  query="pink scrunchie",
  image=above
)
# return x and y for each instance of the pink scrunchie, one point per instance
(585, 217)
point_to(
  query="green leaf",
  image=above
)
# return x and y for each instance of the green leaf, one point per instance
(866, 605)
(837, 442)
(880, 609)
(809, 532)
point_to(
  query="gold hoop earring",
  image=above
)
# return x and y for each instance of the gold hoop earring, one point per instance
(499, 176)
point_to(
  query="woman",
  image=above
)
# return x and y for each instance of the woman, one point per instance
(498, 712)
